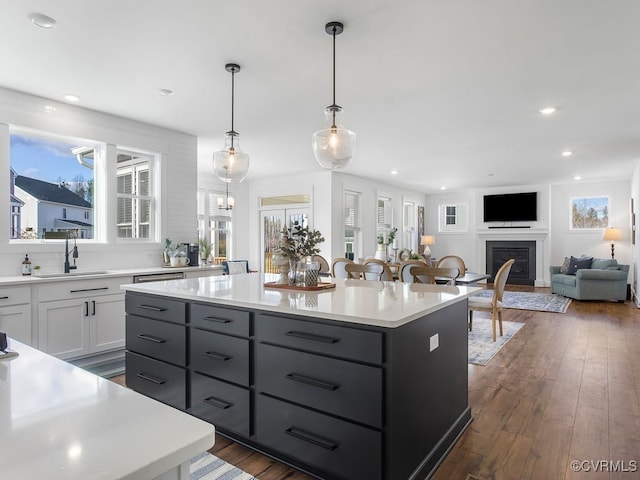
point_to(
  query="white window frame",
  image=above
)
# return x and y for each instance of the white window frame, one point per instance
(146, 162)
(353, 221)
(409, 220)
(209, 218)
(453, 217)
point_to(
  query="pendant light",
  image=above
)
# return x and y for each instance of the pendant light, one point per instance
(334, 145)
(228, 203)
(230, 164)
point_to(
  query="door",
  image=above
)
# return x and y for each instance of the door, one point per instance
(107, 323)
(271, 224)
(63, 327)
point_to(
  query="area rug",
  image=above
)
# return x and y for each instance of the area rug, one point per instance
(482, 348)
(209, 467)
(542, 302)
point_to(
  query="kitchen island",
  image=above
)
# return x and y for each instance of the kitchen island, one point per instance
(364, 380)
(58, 421)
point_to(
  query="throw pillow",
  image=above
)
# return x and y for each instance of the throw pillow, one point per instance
(576, 264)
(604, 263)
(565, 265)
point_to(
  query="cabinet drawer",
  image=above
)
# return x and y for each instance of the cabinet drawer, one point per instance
(220, 356)
(14, 295)
(345, 450)
(156, 379)
(362, 345)
(162, 340)
(89, 287)
(338, 387)
(220, 319)
(160, 308)
(224, 405)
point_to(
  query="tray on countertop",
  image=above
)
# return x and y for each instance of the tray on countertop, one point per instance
(320, 287)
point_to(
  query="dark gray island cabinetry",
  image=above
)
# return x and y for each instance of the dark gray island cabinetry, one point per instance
(336, 390)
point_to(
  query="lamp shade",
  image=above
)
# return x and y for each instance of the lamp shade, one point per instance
(611, 234)
(427, 240)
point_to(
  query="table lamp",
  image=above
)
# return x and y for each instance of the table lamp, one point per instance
(611, 234)
(426, 241)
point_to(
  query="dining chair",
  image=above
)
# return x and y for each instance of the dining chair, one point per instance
(337, 267)
(387, 274)
(493, 304)
(325, 270)
(366, 271)
(233, 267)
(429, 274)
(404, 275)
(452, 261)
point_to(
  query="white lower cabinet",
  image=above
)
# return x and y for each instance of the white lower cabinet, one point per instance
(15, 313)
(90, 322)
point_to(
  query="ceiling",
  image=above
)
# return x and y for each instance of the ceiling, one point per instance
(446, 92)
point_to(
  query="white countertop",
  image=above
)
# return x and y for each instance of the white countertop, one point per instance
(58, 421)
(384, 304)
(90, 273)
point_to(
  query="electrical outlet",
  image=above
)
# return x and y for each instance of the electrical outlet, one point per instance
(434, 342)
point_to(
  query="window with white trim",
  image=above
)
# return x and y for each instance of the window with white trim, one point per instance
(214, 224)
(409, 218)
(453, 218)
(352, 221)
(134, 195)
(383, 216)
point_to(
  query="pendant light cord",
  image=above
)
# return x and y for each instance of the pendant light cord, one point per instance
(233, 77)
(333, 110)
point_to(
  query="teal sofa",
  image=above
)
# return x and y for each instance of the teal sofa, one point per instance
(606, 279)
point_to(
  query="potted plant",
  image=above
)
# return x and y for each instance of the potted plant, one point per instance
(384, 240)
(296, 243)
(206, 247)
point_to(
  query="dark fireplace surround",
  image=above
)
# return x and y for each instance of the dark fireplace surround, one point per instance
(523, 271)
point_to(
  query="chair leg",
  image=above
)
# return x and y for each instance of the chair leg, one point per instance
(493, 325)
(500, 320)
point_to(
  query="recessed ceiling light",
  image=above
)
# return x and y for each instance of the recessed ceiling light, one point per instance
(577, 177)
(165, 92)
(567, 153)
(394, 172)
(49, 108)
(443, 187)
(41, 20)
(70, 97)
(547, 110)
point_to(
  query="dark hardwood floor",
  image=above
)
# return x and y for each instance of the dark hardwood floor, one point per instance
(565, 388)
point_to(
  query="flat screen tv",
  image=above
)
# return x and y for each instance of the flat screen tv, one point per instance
(511, 207)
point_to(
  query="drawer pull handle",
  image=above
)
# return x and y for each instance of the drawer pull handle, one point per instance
(150, 307)
(311, 336)
(217, 356)
(312, 381)
(310, 438)
(151, 379)
(88, 289)
(216, 402)
(151, 338)
(4, 298)
(218, 320)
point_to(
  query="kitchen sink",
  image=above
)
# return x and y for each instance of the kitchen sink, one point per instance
(70, 274)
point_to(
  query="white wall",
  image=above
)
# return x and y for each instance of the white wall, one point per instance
(177, 209)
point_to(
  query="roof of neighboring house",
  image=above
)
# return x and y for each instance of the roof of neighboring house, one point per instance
(15, 199)
(50, 192)
(74, 222)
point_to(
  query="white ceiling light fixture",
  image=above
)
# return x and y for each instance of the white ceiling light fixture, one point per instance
(70, 97)
(228, 203)
(577, 177)
(49, 108)
(334, 145)
(393, 172)
(41, 20)
(230, 164)
(567, 153)
(548, 110)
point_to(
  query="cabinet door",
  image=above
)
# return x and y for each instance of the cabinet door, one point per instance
(63, 327)
(107, 323)
(15, 321)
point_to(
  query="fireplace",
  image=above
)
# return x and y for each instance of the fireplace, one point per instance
(523, 271)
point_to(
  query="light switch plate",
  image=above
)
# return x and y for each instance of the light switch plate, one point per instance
(434, 342)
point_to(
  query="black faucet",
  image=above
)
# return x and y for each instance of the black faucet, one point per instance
(67, 266)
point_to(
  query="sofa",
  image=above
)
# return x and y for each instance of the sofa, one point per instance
(586, 278)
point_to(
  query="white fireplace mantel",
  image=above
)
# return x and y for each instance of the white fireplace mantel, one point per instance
(539, 235)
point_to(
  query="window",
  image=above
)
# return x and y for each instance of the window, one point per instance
(589, 213)
(352, 221)
(214, 224)
(409, 238)
(51, 189)
(134, 195)
(383, 215)
(453, 218)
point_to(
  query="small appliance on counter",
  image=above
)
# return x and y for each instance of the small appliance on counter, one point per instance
(193, 252)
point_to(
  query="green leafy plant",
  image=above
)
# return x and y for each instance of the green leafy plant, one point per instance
(205, 248)
(391, 235)
(300, 241)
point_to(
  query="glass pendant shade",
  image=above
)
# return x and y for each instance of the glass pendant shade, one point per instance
(230, 164)
(334, 145)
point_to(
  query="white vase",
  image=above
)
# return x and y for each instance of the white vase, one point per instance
(381, 253)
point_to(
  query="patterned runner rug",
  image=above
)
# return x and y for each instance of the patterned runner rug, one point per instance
(542, 302)
(209, 467)
(482, 348)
